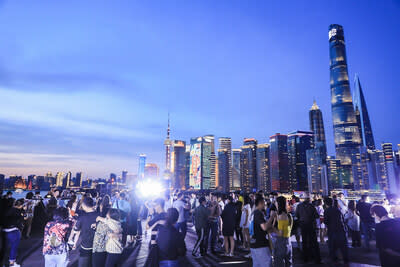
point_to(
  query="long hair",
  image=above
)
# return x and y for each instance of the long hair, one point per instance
(281, 200)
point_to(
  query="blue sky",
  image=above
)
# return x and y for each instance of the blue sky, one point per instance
(87, 85)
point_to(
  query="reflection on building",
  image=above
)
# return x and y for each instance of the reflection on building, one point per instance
(279, 163)
(248, 165)
(262, 165)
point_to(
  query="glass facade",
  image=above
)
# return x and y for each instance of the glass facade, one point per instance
(388, 154)
(226, 143)
(364, 124)
(248, 168)
(178, 164)
(236, 168)
(142, 164)
(279, 163)
(346, 133)
(262, 165)
(317, 127)
(223, 169)
(317, 171)
(334, 173)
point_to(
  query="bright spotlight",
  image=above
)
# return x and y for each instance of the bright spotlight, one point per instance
(149, 188)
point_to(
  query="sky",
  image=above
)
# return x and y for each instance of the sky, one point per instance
(87, 85)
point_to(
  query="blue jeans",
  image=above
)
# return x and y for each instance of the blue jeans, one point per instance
(366, 229)
(182, 227)
(174, 263)
(60, 260)
(12, 240)
(261, 257)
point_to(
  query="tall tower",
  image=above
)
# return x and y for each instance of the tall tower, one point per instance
(317, 127)
(279, 163)
(142, 164)
(168, 144)
(226, 143)
(364, 124)
(346, 133)
(248, 165)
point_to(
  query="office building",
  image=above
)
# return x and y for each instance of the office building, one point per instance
(317, 175)
(124, 176)
(334, 173)
(360, 172)
(297, 145)
(210, 139)
(223, 169)
(226, 143)
(346, 133)
(317, 127)
(178, 164)
(2, 178)
(364, 124)
(67, 180)
(78, 179)
(187, 166)
(151, 171)
(236, 168)
(167, 144)
(387, 149)
(279, 163)
(248, 165)
(142, 164)
(59, 179)
(201, 162)
(262, 165)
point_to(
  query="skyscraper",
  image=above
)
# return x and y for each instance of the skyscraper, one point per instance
(263, 172)
(279, 163)
(346, 132)
(317, 127)
(178, 164)
(223, 169)
(142, 164)
(187, 165)
(334, 173)
(151, 170)
(67, 180)
(124, 176)
(201, 162)
(59, 179)
(387, 149)
(168, 143)
(78, 179)
(236, 168)
(317, 175)
(364, 124)
(226, 143)
(210, 141)
(297, 145)
(248, 165)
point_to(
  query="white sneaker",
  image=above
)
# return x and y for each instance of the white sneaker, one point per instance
(15, 265)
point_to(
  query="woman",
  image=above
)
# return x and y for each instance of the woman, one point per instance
(13, 224)
(238, 223)
(245, 222)
(387, 237)
(283, 247)
(107, 242)
(132, 220)
(29, 207)
(170, 242)
(353, 222)
(56, 233)
(320, 221)
(228, 227)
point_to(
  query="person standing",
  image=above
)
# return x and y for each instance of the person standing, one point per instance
(85, 229)
(337, 239)
(260, 250)
(212, 229)
(307, 215)
(124, 208)
(245, 222)
(387, 237)
(353, 221)
(201, 214)
(181, 206)
(228, 226)
(171, 244)
(56, 233)
(367, 223)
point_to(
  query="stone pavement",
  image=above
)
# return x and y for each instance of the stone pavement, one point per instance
(30, 255)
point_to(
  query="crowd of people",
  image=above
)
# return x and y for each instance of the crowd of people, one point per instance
(258, 225)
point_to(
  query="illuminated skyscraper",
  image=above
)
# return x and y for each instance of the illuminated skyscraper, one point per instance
(263, 172)
(124, 176)
(151, 170)
(168, 143)
(248, 165)
(142, 164)
(210, 141)
(226, 143)
(346, 132)
(236, 168)
(334, 173)
(317, 176)
(317, 127)
(364, 124)
(387, 149)
(78, 179)
(279, 163)
(201, 161)
(208, 162)
(67, 180)
(59, 179)
(187, 165)
(178, 164)
(223, 169)
(297, 145)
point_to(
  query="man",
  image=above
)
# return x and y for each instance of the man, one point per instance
(260, 251)
(307, 214)
(181, 206)
(337, 239)
(366, 220)
(85, 228)
(124, 208)
(157, 217)
(215, 212)
(201, 215)
(168, 202)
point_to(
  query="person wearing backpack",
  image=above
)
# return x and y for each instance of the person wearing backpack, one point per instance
(55, 241)
(283, 223)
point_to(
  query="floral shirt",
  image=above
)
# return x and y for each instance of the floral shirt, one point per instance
(56, 237)
(100, 237)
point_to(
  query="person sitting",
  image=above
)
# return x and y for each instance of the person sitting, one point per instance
(171, 244)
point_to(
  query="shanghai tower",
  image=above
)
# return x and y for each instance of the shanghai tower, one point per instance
(345, 126)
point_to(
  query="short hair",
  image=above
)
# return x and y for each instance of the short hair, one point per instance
(329, 201)
(364, 197)
(179, 195)
(340, 194)
(230, 198)
(258, 201)
(122, 195)
(379, 210)
(19, 202)
(114, 214)
(60, 214)
(172, 216)
(160, 201)
(202, 199)
(9, 193)
(29, 195)
(88, 202)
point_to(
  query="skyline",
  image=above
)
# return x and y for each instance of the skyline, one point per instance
(64, 107)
